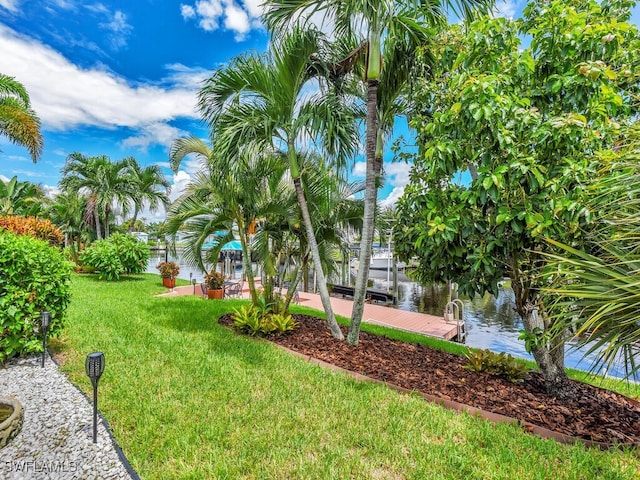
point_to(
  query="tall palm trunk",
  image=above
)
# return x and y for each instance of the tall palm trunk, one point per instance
(134, 219)
(370, 199)
(246, 261)
(96, 218)
(315, 255)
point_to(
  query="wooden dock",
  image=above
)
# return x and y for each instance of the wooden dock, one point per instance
(414, 322)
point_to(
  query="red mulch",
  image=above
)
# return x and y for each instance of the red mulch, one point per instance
(598, 415)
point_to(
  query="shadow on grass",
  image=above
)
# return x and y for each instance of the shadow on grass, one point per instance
(193, 315)
(123, 279)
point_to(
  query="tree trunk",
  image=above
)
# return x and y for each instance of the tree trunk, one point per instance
(370, 199)
(548, 358)
(315, 255)
(96, 218)
(246, 265)
(133, 220)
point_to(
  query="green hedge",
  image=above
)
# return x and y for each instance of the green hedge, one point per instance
(35, 277)
(119, 254)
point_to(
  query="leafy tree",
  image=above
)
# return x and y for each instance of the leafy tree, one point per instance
(18, 122)
(67, 212)
(527, 121)
(148, 185)
(390, 34)
(263, 101)
(105, 183)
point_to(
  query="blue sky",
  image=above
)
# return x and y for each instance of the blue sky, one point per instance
(121, 78)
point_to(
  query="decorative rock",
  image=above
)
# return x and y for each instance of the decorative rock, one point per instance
(56, 439)
(11, 426)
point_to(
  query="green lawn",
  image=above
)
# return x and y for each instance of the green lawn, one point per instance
(187, 398)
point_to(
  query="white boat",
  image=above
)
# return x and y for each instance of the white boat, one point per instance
(383, 260)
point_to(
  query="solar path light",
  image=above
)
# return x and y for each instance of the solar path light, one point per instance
(45, 317)
(94, 366)
(193, 282)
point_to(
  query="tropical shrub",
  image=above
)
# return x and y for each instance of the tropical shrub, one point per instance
(35, 278)
(214, 280)
(32, 227)
(253, 321)
(499, 364)
(117, 255)
(168, 269)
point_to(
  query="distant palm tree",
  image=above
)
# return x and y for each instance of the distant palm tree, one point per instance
(268, 101)
(67, 213)
(105, 183)
(18, 122)
(148, 185)
(231, 193)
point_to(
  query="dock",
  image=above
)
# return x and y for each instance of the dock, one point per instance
(414, 322)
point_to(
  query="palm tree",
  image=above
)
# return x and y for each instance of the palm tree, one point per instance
(67, 213)
(393, 31)
(230, 193)
(105, 182)
(18, 122)
(261, 100)
(147, 185)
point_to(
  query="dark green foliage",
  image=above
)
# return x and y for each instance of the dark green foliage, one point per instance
(500, 364)
(35, 277)
(117, 255)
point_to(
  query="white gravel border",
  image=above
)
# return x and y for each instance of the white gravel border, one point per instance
(56, 440)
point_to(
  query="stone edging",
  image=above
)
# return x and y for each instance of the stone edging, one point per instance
(460, 407)
(123, 459)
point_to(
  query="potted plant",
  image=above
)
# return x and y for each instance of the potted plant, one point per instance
(168, 271)
(214, 282)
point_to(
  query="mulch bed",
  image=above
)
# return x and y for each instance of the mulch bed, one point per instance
(597, 415)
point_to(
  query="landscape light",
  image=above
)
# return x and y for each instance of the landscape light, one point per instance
(45, 317)
(94, 366)
(193, 281)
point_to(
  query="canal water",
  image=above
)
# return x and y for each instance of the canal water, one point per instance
(491, 321)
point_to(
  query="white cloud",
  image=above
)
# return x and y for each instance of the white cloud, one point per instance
(11, 5)
(506, 8)
(119, 28)
(28, 173)
(66, 96)
(395, 174)
(154, 133)
(187, 11)
(3, 178)
(179, 183)
(239, 17)
(50, 191)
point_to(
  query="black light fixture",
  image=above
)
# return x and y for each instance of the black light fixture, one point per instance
(193, 282)
(94, 366)
(45, 317)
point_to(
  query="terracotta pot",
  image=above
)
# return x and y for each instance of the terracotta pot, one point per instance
(168, 282)
(215, 294)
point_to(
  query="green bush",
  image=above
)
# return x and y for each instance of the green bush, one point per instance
(250, 319)
(119, 254)
(500, 364)
(35, 277)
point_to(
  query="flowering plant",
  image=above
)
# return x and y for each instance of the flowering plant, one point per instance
(168, 269)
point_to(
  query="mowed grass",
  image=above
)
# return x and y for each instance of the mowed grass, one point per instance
(187, 398)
